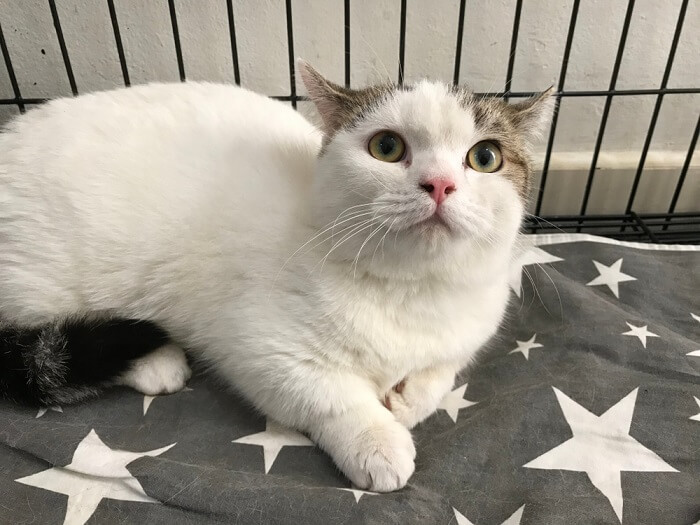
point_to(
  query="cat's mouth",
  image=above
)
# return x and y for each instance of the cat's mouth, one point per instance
(435, 222)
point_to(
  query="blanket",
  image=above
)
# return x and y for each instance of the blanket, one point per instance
(584, 409)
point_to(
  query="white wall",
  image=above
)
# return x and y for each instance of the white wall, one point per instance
(430, 48)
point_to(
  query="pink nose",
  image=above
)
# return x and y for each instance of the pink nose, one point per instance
(439, 189)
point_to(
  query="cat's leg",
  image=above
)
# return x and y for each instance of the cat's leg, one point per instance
(417, 397)
(162, 371)
(344, 415)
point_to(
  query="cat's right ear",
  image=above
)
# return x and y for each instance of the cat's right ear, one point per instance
(331, 100)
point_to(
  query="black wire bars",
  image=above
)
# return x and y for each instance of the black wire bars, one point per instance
(668, 226)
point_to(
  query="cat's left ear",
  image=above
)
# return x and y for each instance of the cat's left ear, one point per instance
(333, 102)
(532, 116)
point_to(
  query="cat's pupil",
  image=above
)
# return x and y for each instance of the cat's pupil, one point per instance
(484, 156)
(387, 144)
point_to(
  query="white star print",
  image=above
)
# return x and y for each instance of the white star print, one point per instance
(273, 439)
(514, 519)
(454, 400)
(610, 276)
(533, 255)
(696, 417)
(147, 400)
(359, 493)
(696, 317)
(694, 353)
(601, 447)
(524, 347)
(640, 332)
(43, 411)
(96, 472)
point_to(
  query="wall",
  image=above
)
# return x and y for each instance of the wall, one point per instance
(430, 49)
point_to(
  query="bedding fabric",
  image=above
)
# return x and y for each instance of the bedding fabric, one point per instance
(584, 409)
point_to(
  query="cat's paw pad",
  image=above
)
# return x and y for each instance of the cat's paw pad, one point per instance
(163, 371)
(382, 459)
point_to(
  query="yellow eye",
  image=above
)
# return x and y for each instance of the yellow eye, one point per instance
(485, 157)
(387, 147)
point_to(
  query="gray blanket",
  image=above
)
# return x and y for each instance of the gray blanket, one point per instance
(585, 409)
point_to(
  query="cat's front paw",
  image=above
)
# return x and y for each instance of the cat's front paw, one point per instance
(381, 458)
(163, 371)
(408, 407)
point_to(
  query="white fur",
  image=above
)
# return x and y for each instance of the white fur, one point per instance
(187, 205)
(163, 371)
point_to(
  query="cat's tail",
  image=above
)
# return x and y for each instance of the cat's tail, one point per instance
(66, 361)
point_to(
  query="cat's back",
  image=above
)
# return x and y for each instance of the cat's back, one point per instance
(114, 183)
(149, 120)
(159, 153)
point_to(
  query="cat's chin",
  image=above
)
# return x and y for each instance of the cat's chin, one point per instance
(440, 229)
(434, 223)
(434, 231)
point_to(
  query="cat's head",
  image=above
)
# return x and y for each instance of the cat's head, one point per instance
(415, 177)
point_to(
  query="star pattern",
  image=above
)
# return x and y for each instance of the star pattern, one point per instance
(533, 255)
(610, 276)
(454, 401)
(43, 411)
(359, 493)
(696, 417)
(524, 347)
(601, 447)
(640, 332)
(514, 519)
(272, 439)
(95, 473)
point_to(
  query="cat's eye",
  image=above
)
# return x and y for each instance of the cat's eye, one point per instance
(387, 146)
(485, 157)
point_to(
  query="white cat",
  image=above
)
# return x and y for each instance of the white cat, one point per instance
(338, 278)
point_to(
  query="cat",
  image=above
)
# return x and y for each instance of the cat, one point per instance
(337, 276)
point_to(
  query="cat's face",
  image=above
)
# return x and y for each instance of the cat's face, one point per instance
(421, 174)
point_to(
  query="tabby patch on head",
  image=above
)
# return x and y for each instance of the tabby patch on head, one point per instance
(339, 107)
(434, 164)
(509, 126)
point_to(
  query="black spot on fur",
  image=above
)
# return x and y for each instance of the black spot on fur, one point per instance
(67, 361)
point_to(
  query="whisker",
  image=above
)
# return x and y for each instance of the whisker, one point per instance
(357, 257)
(344, 229)
(356, 216)
(556, 290)
(381, 241)
(361, 227)
(538, 219)
(379, 181)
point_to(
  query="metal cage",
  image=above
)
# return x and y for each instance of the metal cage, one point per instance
(668, 226)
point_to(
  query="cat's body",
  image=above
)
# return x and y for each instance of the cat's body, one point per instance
(190, 205)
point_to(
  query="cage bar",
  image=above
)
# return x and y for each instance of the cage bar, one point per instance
(234, 45)
(460, 35)
(657, 106)
(513, 48)
(555, 116)
(402, 42)
(684, 169)
(62, 45)
(118, 42)
(290, 48)
(669, 226)
(176, 39)
(346, 29)
(608, 102)
(514, 94)
(11, 73)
